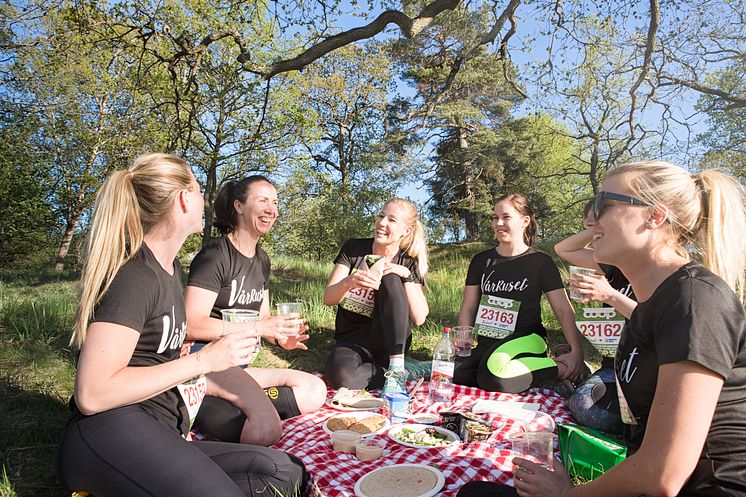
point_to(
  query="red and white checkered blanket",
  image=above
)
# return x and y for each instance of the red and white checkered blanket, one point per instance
(335, 473)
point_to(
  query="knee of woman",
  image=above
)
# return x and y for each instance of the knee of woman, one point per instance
(392, 285)
(263, 434)
(311, 394)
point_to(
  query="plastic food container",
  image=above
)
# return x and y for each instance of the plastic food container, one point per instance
(368, 449)
(425, 419)
(344, 440)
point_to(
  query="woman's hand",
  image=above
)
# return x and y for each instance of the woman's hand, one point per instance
(397, 269)
(294, 342)
(532, 480)
(593, 287)
(363, 279)
(280, 327)
(574, 367)
(233, 349)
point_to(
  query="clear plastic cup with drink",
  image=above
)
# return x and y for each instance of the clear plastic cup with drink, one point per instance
(242, 321)
(286, 308)
(464, 339)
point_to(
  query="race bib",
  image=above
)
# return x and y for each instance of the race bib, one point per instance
(359, 301)
(192, 392)
(602, 326)
(362, 300)
(496, 316)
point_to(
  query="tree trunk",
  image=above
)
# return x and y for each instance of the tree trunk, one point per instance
(67, 239)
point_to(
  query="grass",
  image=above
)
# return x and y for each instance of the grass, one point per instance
(37, 367)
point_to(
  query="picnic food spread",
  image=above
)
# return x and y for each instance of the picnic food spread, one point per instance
(423, 436)
(404, 480)
(366, 424)
(355, 399)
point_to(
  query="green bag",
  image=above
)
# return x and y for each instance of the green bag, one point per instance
(588, 453)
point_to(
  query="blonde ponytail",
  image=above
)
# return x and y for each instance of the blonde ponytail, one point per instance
(115, 234)
(722, 233)
(128, 205)
(415, 243)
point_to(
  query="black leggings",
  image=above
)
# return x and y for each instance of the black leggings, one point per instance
(126, 452)
(360, 356)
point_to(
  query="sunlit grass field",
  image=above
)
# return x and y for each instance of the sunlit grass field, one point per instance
(37, 366)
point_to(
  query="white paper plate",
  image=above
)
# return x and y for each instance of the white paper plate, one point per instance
(397, 479)
(358, 415)
(344, 408)
(451, 437)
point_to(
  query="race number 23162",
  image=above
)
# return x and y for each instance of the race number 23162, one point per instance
(600, 329)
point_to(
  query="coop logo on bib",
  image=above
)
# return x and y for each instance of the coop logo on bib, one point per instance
(172, 337)
(244, 297)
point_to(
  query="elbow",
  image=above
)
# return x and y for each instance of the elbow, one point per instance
(419, 319)
(558, 250)
(87, 403)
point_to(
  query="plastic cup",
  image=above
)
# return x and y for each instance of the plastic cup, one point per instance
(535, 446)
(242, 321)
(344, 440)
(285, 308)
(464, 339)
(582, 271)
(368, 449)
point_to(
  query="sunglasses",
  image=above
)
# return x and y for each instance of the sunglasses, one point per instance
(597, 210)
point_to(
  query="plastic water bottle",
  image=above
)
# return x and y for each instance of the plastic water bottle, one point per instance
(441, 376)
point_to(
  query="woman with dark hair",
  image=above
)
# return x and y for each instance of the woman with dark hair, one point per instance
(502, 298)
(128, 432)
(232, 272)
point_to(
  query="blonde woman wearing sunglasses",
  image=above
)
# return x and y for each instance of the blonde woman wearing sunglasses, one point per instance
(681, 362)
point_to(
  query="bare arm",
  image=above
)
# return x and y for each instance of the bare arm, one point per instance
(685, 399)
(469, 305)
(566, 316)
(597, 288)
(574, 249)
(199, 303)
(105, 381)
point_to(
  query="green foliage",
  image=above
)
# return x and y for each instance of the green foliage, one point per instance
(26, 219)
(725, 140)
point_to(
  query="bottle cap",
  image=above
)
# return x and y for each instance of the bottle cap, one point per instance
(446, 329)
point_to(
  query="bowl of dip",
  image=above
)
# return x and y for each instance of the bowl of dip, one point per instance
(368, 449)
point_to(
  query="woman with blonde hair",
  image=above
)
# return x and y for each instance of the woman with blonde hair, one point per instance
(134, 396)
(377, 285)
(681, 361)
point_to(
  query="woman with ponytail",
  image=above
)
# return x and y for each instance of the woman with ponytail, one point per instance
(681, 360)
(134, 395)
(377, 284)
(508, 281)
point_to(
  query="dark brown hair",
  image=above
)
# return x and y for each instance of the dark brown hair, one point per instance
(520, 203)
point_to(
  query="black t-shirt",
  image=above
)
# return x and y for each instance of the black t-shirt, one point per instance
(240, 282)
(618, 281)
(352, 254)
(146, 298)
(693, 315)
(524, 277)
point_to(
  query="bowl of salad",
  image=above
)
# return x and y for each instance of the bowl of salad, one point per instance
(423, 436)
